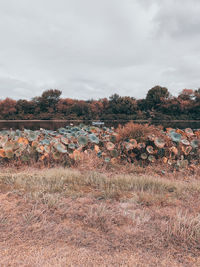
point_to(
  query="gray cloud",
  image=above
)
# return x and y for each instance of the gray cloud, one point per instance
(92, 49)
(179, 18)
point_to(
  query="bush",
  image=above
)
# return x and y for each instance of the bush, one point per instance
(136, 131)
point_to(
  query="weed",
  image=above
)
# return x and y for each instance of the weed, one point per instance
(184, 227)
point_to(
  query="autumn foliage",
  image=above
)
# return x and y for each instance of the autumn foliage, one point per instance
(158, 105)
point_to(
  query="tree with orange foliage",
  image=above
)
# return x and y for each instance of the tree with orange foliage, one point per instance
(7, 109)
(187, 94)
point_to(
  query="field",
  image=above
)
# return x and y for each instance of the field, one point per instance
(97, 197)
(71, 217)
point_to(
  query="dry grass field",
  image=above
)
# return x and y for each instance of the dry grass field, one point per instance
(77, 217)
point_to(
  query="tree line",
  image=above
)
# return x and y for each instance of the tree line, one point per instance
(159, 104)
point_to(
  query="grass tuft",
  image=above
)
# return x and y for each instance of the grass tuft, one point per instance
(184, 228)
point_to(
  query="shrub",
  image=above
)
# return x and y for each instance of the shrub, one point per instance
(136, 131)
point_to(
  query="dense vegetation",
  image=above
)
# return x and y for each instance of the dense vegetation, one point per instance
(158, 104)
(132, 143)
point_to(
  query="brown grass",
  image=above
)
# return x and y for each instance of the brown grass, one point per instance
(68, 182)
(184, 227)
(67, 217)
(136, 131)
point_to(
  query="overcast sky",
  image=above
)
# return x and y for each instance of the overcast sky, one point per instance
(95, 48)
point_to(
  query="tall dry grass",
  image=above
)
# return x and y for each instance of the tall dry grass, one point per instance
(183, 227)
(64, 181)
(136, 131)
(105, 212)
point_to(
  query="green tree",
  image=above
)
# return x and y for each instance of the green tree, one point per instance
(156, 96)
(47, 102)
(50, 98)
(25, 109)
